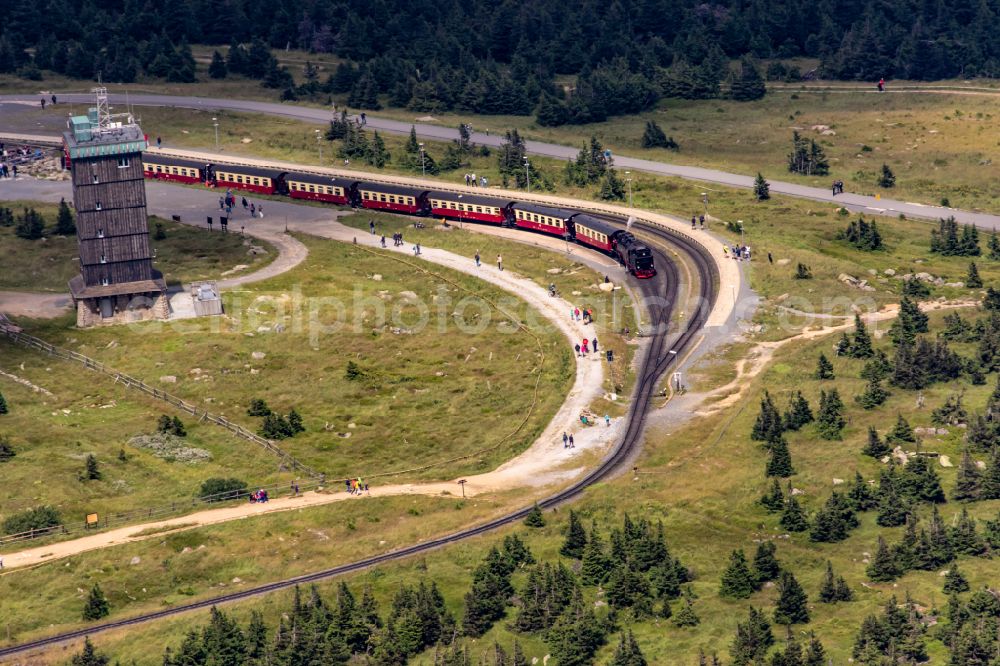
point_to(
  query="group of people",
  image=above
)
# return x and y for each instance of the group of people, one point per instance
(696, 219)
(585, 315)
(43, 102)
(228, 202)
(568, 441)
(259, 497)
(397, 240)
(356, 486)
(738, 252)
(6, 171)
(472, 181)
(838, 187)
(583, 348)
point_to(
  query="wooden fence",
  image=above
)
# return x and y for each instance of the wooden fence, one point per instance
(288, 461)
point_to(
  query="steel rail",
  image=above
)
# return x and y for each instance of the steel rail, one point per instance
(657, 359)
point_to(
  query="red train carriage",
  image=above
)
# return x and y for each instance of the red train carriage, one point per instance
(252, 179)
(554, 221)
(592, 232)
(469, 208)
(393, 198)
(320, 188)
(159, 167)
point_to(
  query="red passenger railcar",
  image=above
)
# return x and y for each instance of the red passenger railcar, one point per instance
(378, 196)
(320, 188)
(555, 221)
(159, 167)
(469, 207)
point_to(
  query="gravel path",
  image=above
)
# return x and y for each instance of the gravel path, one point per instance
(855, 202)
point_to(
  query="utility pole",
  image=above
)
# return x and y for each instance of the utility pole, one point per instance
(319, 146)
(423, 163)
(527, 175)
(628, 179)
(215, 121)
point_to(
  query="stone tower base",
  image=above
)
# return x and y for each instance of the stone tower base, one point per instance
(121, 309)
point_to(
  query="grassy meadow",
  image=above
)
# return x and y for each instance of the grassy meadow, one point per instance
(187, 253)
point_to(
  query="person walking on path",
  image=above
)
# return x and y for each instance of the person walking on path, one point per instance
(576, 314)
(500, 262)
(565, 440)
(260, 211)
(477, 258)
(585, 346)
(572, 445)
(246, 204)
(383, 241)
(371, 226)
(416, 250)
(253, 210)
(222, 203)
(594, 344)
(577, 348)
(607, 419)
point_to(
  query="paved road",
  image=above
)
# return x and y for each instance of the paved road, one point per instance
(854, 202)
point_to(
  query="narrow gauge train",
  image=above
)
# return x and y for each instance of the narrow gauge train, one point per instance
(567, 224)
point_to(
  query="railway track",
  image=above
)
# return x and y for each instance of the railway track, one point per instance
(660, 355)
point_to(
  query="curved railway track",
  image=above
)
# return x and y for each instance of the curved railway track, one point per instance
(658, 357)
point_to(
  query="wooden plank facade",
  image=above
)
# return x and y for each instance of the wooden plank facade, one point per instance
(110, 199)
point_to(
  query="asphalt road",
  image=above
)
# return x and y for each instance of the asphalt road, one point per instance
(855, 202)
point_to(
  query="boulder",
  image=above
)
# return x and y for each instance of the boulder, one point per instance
(848, 279)
(607, 286)
(783, 262)
(889, 271)
(168, 379)
(257, 356)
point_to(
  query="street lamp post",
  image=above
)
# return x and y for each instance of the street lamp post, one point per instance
(740, 222)
(527, 175)
(461, 212)
(319, 145)
(423, 162)
(628, 179)
(215, 122)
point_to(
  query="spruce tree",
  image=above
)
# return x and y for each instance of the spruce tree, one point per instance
(873, 396)
(877, 367)
(576, 538)
(6, 450)
(990, 485)
(773, 500)
(686, 616)
(824, 369)
(830, 419)
(654, 137)
(892, 508)
(994, 246)
(91, 472)
(748, 85)
(792, 606)
(737, 580)
(627, 653)
(65, 226)
(883, 567)
(535, 517)
(765, 564)
(954, 581)
(761, 188)
(779, 463)
(793, 518)
(768, 424)
(4, 409)
(97, 605)
(217, 69)
(834, 588)
(834, 520)
(844, 345)
(799, 413)
(861, 347)
(860, 495)
(89, 656)
(753, 639)
(901, 432)
(802, 272)
(968, 481)
(815, 653)
(887, 178)
(972, 279)
(596, 565)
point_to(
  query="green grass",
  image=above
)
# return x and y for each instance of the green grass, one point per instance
(432, 390)
(702, 481)
(89, 414)
(187, 253)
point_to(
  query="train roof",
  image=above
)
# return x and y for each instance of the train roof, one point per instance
(165, 160)
(546, 210)
(594, 223)
(246, 170)
(469, 198)
(317, 179)
(389, 189)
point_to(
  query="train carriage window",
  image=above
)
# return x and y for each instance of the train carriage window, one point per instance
(159, 169)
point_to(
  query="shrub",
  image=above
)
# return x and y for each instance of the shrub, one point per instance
(37, 518)
(211, 488)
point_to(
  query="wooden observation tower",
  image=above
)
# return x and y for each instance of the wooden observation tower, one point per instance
(117, 281)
